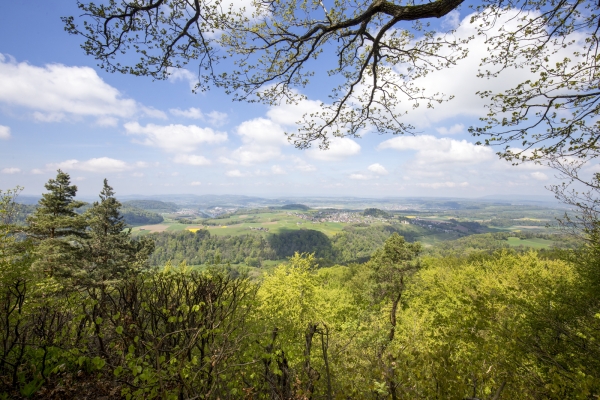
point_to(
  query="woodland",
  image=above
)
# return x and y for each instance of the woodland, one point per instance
(84, 314)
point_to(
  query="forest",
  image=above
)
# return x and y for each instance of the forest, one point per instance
(87, 313)
(87, 310)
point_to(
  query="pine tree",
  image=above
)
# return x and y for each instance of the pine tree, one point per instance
(110, 252)
(58, 228)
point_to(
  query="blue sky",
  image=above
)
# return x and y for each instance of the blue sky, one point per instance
(58, 110)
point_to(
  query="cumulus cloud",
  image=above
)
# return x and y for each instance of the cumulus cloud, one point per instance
(191, 159)
(102, 164)
(359, 177)
(175, 138)
(236, 173)
(180, 74)
(290, 114)
(339, 149)
(138, 174)
(4, 132)
(262, 131)
(301, 165)
(432, 150)
(195, 183)
(540, 176)
(378, 169)
(252, 154)
(37, 171)
(192, 113)
(215, 118)
(453, 130)
(262, 140)
(11, 170)
(461, 80)
(57, 92)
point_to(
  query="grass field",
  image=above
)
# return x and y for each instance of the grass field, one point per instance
(533, 243)
(275, 222)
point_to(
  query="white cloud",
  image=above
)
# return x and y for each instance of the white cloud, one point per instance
(11, 170)
(175, 138)
(236, 173)
(153, 112)
(184, 75)
(438, 185)
(253, 154)
(49, 117)
(195, 183)
(540, 176)
(378, 169)
(138, 174)
(56, 92)
(339, 148)
(107, 121)
(432, 150)
(4, 132)
(303, 166)
(289, 114)
(453, 130)
(37, 171)
(217, 118)
(277, 170)
(263, 131)
(461, 80)
(192, 113)
(102, 164)
(359, 176)
(451, 20)
(191, 159)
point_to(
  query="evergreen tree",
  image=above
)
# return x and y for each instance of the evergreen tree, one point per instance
(57, 227)
(110, 251)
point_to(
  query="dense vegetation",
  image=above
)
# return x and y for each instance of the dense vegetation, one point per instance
(83, 315)
(152, 205)
(353, 244)
(295, 207)
(137, 216)
(376, 212)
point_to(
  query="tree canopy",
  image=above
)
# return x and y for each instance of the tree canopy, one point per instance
(379, 51)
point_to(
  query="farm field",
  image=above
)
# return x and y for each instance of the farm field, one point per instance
(534, 243)
(275, 222)
(265, 223)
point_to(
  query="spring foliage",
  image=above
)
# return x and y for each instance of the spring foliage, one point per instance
(402, 325)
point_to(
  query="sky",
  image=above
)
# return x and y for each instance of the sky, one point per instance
(58, 110)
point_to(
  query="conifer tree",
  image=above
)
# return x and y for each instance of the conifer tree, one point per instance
(111, 253)
(57, 227)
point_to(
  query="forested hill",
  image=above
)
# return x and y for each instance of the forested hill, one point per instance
(136, 216)
(353, 244)
(152, 205)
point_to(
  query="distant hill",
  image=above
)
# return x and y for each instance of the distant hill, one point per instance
(376, 212)
(152, 205)
(137, 216)
(521, 198)
(295, 207)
